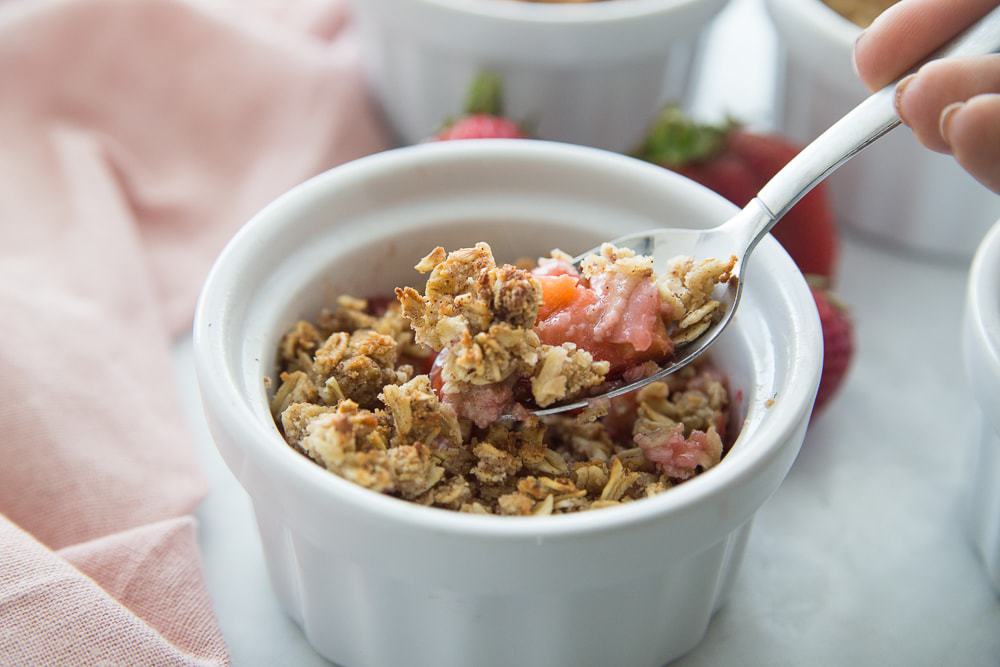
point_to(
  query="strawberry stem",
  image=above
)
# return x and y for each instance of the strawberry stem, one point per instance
(675, 141)
(485, 95)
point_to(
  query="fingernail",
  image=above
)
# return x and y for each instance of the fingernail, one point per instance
(854, 55)
(900, 91)
(944, 126)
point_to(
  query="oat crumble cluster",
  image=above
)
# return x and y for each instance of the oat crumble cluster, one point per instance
(423, 398)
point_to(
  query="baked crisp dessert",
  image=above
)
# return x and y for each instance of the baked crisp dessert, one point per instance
(428, 398)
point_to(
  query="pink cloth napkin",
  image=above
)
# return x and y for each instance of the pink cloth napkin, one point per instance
(135, 137)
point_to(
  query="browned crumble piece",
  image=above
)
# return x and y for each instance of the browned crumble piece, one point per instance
(392, 323)
(544, 461)
(296, 417)
(697, 409)
(349, 315)
(686, 293)
(357, 366)
(489, 494)
(368, 469)
(418, 415)
(467, 292)
(413, 470)
(331, 437)
(585, 441)
(474, 508)
(516, 296)
(632, 458)
(591, 477)
(455, 459)
(619, 481)
(455, 289)
(452, 493)
(296, 387)
(565, 372)
(540, 487)
(659, 486)
(490, 356)
(297, 346)
(532, 486)
(494, 465)
(513, 504)
(620, 260)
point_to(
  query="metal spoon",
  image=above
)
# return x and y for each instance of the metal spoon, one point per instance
(739, 235)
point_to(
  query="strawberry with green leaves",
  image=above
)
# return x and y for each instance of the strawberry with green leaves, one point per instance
(483, 117)
(737, 164)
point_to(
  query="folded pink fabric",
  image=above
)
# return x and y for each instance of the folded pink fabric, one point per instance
(134, 138)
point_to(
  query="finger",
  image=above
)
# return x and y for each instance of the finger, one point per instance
(922, 97)
(910, 31)
(972, 129)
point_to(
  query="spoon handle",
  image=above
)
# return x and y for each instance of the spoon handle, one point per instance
(862, 126)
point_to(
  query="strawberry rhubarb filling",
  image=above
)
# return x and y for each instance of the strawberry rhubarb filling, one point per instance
(615, 315)
(495, 341)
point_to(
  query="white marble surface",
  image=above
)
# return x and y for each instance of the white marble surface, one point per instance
(859, 558)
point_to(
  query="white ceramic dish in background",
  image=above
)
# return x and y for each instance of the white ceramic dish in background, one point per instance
(981, 348)
(373, 580)
(593, 74)
(896, 190)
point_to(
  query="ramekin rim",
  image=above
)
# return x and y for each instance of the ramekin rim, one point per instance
(589, 13)
(245, 428)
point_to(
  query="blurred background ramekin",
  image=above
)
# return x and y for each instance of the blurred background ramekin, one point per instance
(896, 191)
(373, 580)
(593, 74)
(981, 349)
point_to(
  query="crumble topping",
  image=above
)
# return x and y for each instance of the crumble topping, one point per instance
(490, 356)
(466, 292)
(418, 416)
(686, 294)
(357, 365)
(351, 400)
(565, 371)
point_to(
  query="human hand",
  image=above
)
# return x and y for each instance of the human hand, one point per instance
(952, 106)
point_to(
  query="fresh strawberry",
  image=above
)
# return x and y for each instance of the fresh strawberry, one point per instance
(483, 117)
(481, 126)
(736, 164)
(838, 342)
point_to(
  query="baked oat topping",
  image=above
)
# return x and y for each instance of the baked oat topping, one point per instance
(350, 399)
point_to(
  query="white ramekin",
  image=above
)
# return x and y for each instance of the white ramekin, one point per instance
(981, 348)
(593, 74)
(373, 580)
(896, 190)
